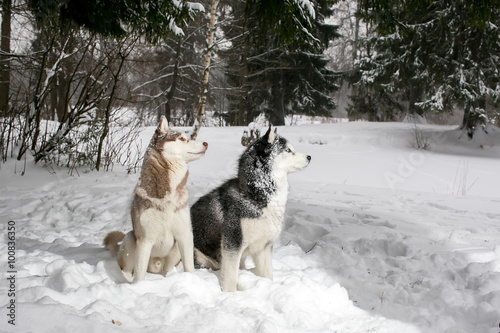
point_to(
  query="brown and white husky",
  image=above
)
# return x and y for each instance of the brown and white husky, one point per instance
(162, 233)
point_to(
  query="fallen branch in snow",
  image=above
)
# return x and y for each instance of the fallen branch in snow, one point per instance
(311, 248)
(419, 282)
(382, 299)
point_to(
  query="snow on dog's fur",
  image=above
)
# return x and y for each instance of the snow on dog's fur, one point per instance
(161, 234)
(244, 216)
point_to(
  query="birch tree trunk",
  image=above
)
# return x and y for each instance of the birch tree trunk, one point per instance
(204, 82)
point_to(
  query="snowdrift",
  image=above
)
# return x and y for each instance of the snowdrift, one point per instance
(378, 237)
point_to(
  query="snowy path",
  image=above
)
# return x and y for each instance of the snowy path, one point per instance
(351, 258)
(425, 259)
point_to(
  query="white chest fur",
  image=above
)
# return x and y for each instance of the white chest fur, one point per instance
(263, 231)
(161, 226)
(167, 216)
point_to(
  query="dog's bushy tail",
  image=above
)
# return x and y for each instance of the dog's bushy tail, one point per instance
(111, 242)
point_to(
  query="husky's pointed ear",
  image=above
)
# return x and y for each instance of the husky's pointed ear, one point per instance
(163, 126)
(270, 134)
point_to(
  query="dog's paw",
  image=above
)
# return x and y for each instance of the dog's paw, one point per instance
(129, 276)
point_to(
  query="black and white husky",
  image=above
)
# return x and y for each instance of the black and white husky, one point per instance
(244, 216)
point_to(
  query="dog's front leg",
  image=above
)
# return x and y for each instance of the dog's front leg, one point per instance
(263, 262)
(186, 249)
(142, 254)
(229, 269)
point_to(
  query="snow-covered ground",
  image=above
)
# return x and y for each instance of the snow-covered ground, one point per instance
(378, 237)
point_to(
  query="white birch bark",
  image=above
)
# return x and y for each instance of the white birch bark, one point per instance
(204, 83)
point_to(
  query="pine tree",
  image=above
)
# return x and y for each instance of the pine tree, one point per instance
(472, 59)
(373, 89)
(154, 19)
(237, 29)
(282, 74)
(438, 54)
(287, 21)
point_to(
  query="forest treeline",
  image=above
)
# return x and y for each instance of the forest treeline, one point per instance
(68, 63)
(83, 61)
(433, 55)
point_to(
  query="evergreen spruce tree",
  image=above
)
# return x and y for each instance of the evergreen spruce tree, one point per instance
(437, 54)
(237, 29)
(472, 59)
(374, 97)
(286, 21)
(281, 74)
(153, 19)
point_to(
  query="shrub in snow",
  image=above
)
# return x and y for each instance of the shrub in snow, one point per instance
(419, 140)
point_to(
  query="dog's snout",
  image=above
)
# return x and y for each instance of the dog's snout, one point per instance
(205, 144)
(309, 157)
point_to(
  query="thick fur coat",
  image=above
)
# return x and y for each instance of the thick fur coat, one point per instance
(244, 216)
(161, 222)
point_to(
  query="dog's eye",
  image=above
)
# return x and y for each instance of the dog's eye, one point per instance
(288, 150)
(182, 138)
